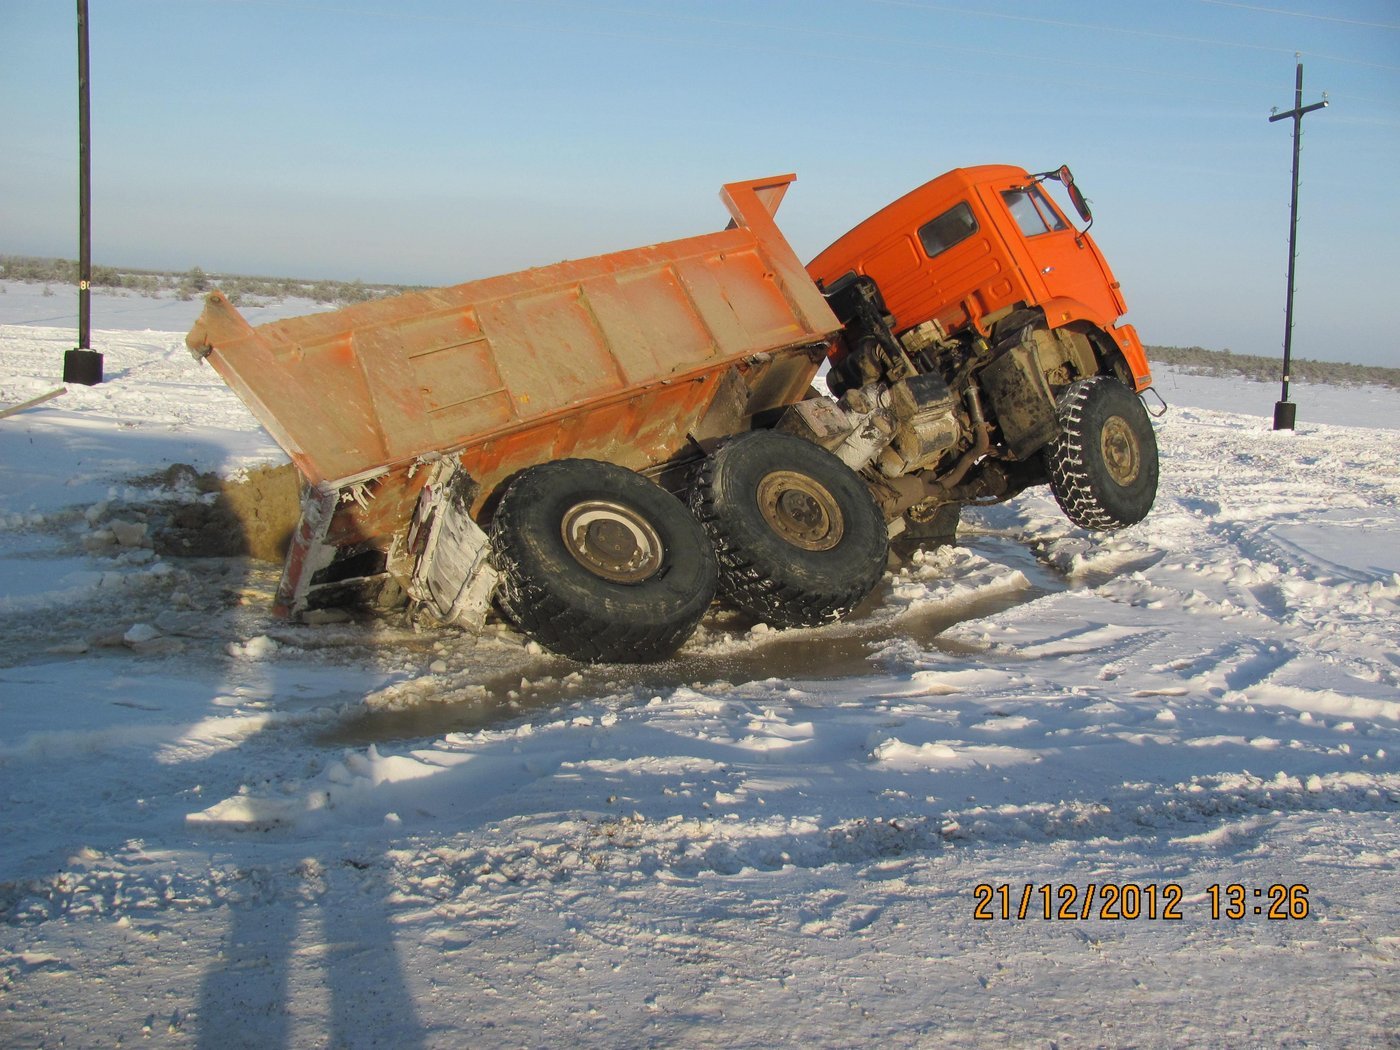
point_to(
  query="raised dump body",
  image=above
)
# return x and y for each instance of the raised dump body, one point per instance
(623, 358)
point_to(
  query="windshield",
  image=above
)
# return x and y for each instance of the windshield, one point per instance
(1032, 211)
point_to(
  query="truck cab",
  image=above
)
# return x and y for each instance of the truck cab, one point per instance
(977, 244)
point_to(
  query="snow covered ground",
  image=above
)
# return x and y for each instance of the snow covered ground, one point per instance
(222, 830)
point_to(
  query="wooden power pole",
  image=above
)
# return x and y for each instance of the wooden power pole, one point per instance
(1285, 411)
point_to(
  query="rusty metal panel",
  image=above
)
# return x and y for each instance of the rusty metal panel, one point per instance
(381, 383)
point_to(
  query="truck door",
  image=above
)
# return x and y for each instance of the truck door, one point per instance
(1062, 261)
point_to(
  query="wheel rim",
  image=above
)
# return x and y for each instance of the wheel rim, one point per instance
(800, 510)
(1121, 454)
(612, 541)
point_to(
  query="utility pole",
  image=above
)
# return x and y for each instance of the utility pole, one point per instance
(83, 364)
(1285, 412)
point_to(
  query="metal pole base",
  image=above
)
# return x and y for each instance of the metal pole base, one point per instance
(1285, 415)
(82, 366)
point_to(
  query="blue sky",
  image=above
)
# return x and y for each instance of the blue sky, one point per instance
(432, 142)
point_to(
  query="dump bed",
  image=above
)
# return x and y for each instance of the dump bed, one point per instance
(617, 357)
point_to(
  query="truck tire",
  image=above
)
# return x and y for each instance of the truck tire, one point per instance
(799, 539)
(598, 564)
(1103, 466)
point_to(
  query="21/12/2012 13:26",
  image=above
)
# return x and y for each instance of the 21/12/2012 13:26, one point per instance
(1128, 901)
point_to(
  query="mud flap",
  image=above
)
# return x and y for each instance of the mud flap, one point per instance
(453, 576)
(1021, 399)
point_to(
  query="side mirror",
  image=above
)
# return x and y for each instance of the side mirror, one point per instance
(1076, 198)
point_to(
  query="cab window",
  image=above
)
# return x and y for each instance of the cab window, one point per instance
(954, 226)
(1032, 211)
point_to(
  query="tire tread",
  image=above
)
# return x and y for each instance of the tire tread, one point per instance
(745, 585)
(557, 624)
(1072, 476)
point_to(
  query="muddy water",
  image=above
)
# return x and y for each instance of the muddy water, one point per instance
(838, 652)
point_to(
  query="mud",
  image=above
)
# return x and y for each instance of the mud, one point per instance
(839, 651)
(252, 515)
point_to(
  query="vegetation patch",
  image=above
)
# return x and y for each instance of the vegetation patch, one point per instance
(187, 284)
(1201, 361)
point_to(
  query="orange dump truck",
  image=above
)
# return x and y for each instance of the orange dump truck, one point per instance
(600, 447)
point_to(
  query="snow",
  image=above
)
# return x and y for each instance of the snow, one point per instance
(221, 829)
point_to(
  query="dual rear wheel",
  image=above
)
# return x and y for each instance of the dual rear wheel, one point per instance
(799, 539)
(601, 565)
(598, 564)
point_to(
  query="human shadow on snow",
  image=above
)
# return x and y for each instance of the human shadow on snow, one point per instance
(150, 742)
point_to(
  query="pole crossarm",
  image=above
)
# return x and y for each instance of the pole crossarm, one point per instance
(1299, 113)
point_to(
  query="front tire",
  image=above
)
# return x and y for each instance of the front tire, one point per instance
(799, 539)
(1103, 466)
(598, 564)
